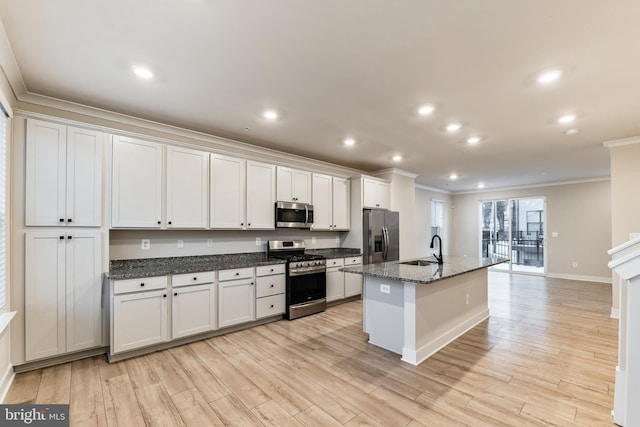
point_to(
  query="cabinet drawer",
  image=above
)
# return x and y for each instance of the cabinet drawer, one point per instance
(238, 273)
(141, 284)
(270, 306)
(193, 278)
(336, 262)
(270, 285)
(355, 260)
(266, 270)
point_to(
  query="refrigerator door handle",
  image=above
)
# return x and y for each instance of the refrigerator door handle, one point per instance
(385, 238)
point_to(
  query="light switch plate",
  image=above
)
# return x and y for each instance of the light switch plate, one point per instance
(258, 241)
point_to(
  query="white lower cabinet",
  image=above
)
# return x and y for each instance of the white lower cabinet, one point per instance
(139, 319)
(236, 297)
(270, 290)
(194, 307)
(335, 279)
(63, 284)
(352, 282)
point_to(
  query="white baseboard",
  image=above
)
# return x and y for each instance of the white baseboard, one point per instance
(5, 383)
(423, 353)
(579, 277)
(615, 313)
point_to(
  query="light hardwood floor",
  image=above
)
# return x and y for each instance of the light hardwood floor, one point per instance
(546, 356)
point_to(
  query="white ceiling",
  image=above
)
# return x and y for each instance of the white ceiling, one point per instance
(358, 68)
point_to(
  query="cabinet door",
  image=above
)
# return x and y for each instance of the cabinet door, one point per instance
(322, 202)
(302, 186)
(194, 310)
(335, 284)
(227, 210)
(284, 183)
(236, 302)
(84, 177)
(187, 188)
(352, 284)
(341, 204)
(261, 196)
(45, 170)
(44, 294)
(137, 183)
(83, 290)
(139, 320)
(376, 194)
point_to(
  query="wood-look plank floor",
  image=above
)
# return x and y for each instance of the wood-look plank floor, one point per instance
(546, 356)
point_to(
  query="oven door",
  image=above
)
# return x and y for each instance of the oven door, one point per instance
(306, 287)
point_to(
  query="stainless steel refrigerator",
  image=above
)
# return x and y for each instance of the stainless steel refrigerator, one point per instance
(380, 235)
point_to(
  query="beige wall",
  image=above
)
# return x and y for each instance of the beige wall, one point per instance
(580, 213)
(403, 201)
(625, 203)
(423, 198)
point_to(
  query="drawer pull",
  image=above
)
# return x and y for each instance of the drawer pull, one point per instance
(271, 306)
(237, 274)
(141, 284)
(195, 278)
(271, 270)
(271, 286)
(175, 294)
(164, 296)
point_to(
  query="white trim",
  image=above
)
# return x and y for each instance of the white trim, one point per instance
(597, 279)
(10, 64)
(615, 313)
(549, 184)
(6, 381)
(417, 356)
(397, 172)
(5, 320)
(620, 142)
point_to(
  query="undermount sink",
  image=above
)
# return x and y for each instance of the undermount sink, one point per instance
(420, 262)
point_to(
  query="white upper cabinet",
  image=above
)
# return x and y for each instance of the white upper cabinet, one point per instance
(293, 185)
(330, 203)
(187, 188)
(228, 192)
(137, 183)
(341, 203)
(261, 196)
(376, 194)
(63, 175)
(322, 202)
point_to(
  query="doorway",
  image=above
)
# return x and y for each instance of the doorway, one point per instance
(514, 228)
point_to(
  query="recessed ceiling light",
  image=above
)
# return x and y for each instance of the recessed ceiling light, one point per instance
(481, 185)
(549, 76)
(425, 110)
(473, 140)
(567, 119)
(453, 127)
(453, 176)
(571, 131)
(270, 115)
(349, 141)
(396, 158)
(142, 72)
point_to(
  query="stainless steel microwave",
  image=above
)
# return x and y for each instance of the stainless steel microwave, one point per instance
(294, 215)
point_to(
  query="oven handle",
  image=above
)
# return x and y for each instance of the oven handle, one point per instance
(307, 272)
(306, 304)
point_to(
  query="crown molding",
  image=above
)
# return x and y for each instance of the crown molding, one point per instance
(623, 141)
(548, 184)
(396, 172)
(437, 190)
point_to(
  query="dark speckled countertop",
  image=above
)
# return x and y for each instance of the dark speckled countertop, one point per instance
(135, 268)
(395, 270)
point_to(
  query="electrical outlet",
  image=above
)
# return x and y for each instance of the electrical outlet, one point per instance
(258, 241)
(180, 244)
(385, 289)
(467, 299)
(554, 234)
(145, 244)
(574, 264)
(209, 243)
(337, 240)
(313, 240)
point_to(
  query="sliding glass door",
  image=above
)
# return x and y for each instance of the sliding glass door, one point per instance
(514, 229)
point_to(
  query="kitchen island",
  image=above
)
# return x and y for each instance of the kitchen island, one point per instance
(415, 310)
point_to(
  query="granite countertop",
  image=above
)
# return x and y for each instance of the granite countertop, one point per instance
(395, 270)
(335, 252)
(136, 268)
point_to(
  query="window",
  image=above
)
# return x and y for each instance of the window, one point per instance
(3, 209)
(437, 217)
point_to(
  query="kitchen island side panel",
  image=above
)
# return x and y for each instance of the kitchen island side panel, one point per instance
(384, 313)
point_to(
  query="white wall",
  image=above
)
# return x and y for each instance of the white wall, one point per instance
(580, 213)
(423, 197)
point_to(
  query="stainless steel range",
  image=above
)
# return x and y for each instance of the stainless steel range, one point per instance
(306, 278)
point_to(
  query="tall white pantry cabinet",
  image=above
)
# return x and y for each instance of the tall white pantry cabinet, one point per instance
(63, 244)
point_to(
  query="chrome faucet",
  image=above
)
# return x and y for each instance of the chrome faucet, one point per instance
(439, 256)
